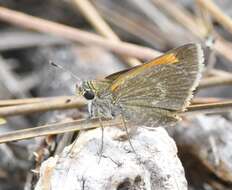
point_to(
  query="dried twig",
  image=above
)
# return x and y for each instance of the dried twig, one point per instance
(12, 40)
(43, 106)
(100, 25)
(56, 128)
(138, 27)
(217, 13)
(206, 100)
(13, 102)
(218, 72)
(181, 15)
(218, 107)
(74, 34)
(215, 81)
(176, 33)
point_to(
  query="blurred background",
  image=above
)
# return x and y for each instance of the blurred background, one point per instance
(204, 142)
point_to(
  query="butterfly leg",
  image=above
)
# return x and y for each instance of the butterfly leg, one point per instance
(128, 134)
(102, 139)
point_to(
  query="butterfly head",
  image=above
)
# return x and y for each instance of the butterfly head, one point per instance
(86, 89)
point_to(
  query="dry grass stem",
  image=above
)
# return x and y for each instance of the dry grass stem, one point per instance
(206, 100)
(56, 104)
(181, 15)
(218, 107)
(142, 29)
(56, 128)
(218, 72)
(13, 102)
(217, 13)
(92, 15)
(215, 81)
(74, 34)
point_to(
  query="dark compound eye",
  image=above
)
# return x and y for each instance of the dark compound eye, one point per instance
(89, 95)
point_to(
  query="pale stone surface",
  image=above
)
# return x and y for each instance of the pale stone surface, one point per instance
(156, 166)
(209, 138)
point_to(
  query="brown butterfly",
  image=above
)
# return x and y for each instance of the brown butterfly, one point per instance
(151, 94)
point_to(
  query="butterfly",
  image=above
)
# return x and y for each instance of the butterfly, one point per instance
(152, 94)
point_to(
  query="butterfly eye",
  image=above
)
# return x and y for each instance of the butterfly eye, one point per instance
(89, 95)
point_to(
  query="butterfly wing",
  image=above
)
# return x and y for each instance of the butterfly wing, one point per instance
(114, 76)
(149, 116)
(165, 83)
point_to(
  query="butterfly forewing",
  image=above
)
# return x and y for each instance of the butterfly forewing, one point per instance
(114, 76)
(164, 83)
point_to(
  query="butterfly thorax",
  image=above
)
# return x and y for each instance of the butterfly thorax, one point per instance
(100, 99)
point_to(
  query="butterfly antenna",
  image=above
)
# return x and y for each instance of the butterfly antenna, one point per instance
(66, 70)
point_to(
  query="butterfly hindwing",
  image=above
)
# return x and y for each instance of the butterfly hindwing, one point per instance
(149, 116)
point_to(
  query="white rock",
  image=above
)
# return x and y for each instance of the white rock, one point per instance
(156, 166)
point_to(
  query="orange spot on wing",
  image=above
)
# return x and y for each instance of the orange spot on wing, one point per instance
(165, 59)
